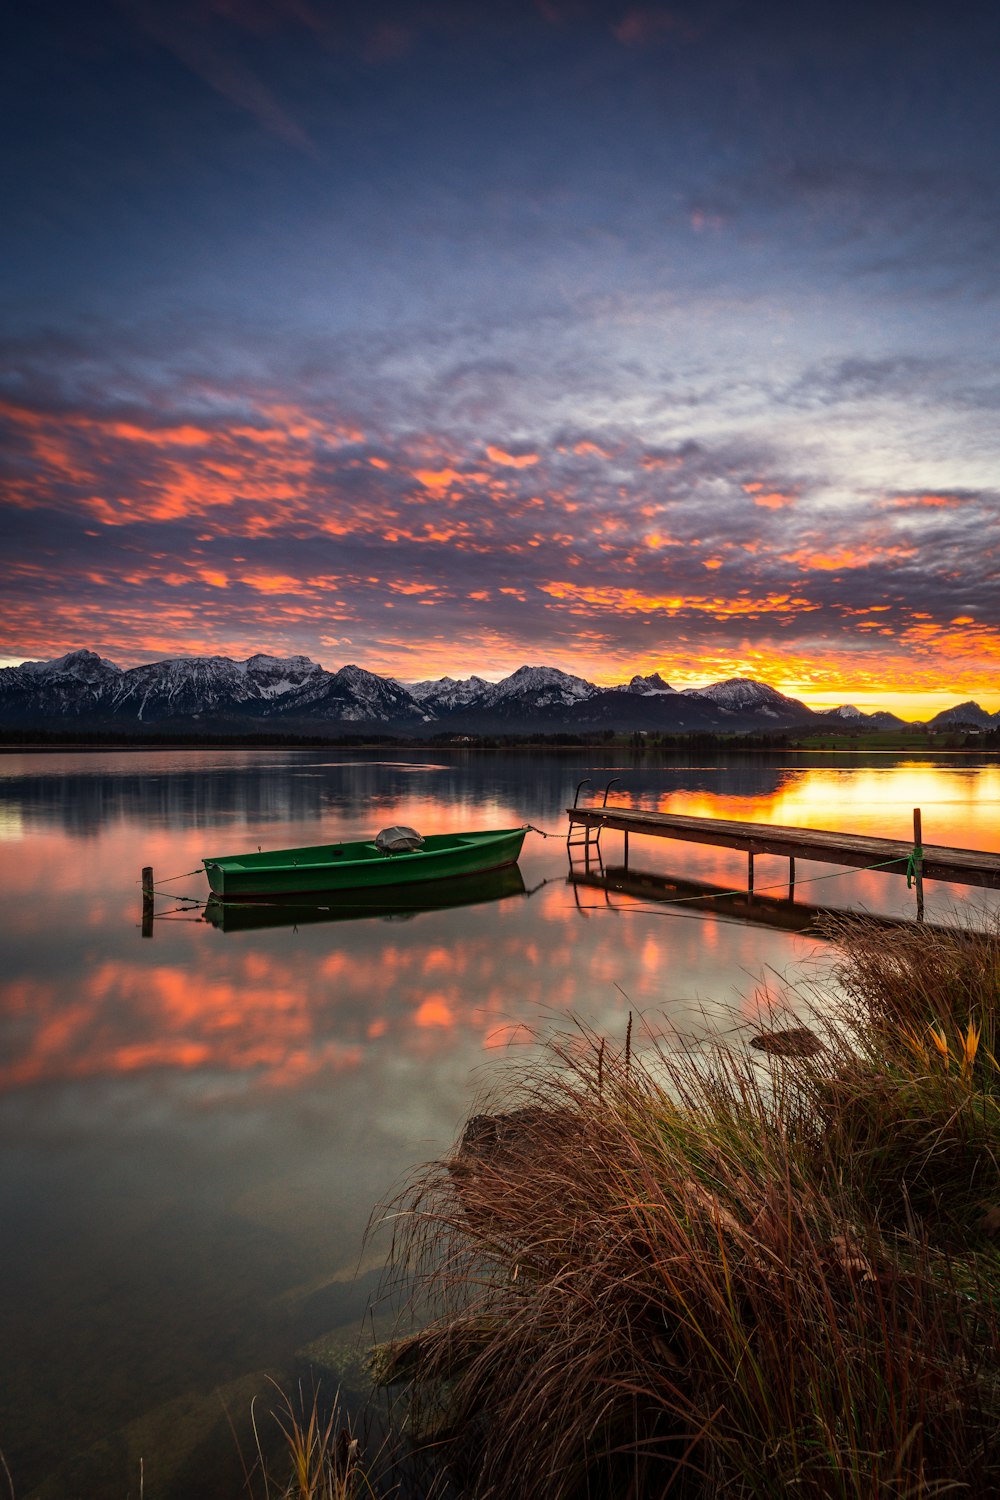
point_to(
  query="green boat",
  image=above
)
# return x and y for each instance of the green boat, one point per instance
(390, 904)
(367, 865)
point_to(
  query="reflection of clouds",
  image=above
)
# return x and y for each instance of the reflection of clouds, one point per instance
(131, 1018)
(276, 1018)
(434, 1011)
(959, 801)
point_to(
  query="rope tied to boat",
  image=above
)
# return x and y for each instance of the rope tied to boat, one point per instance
(530, 828)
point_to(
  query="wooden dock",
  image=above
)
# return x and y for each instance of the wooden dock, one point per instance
(914, 859)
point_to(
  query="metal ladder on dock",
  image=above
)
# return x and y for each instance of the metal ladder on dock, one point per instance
(587, 837)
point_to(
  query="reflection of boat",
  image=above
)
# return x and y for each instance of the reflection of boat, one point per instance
(360, 866)
(341, 906)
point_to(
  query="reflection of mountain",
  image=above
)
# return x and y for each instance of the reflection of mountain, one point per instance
(257, 788)
(166, 794)
(406, 901)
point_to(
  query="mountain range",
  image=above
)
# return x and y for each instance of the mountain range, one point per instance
(214, 694)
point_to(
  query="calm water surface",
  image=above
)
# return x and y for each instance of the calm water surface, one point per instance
(197, 1124)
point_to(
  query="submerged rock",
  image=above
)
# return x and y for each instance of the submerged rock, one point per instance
(794, 1041)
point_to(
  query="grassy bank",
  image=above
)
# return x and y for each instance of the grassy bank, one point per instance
(757, 1275)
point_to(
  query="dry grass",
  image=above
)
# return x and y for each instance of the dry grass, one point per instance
(321, 1455)
(911, 1110)
(760, 1278)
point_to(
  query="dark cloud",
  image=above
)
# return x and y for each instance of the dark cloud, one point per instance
(896, 377)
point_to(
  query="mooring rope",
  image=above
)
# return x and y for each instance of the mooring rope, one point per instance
(163, 879)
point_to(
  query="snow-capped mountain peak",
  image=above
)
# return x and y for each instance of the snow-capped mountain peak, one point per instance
(844, 711)
(545, 685)
(649, 686)
(274, 676)
(213, 694)
(740, 693)
(357, 695)
(447, 692)
(747, 697)
(85, 666)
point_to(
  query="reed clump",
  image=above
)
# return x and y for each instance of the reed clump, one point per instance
(319, 1456)
(761, 1275)
(911, 1108)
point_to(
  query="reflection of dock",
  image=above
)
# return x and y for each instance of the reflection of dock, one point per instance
(394, 902)
(718, 900)
(853, 850)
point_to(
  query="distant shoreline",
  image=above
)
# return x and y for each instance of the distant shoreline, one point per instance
(875, 743)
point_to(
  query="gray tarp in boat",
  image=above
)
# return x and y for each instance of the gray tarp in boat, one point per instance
(398, 840)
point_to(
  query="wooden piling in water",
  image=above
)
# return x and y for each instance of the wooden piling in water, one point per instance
(918, 862)
(148, 895)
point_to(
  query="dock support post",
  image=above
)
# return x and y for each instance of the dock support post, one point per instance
(147, 901)
(918, 862)
(750, 873)
(626, 848)
(791, 878)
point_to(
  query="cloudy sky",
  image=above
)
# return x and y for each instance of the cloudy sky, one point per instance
(444, 338)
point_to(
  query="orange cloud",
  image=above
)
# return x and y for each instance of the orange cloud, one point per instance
(634, 601)
(843, 557)
(438, 481)
(769, 499)
(929, 501)
(166, 473)
(271, 583)
(511, 460)
(158, 437)
(587, 449)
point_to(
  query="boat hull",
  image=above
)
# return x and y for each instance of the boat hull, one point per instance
(393, 903)
(324, 868)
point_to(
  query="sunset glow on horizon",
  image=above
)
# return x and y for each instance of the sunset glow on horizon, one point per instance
(625, 349)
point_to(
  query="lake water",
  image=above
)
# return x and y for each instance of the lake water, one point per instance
(197, 1123)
